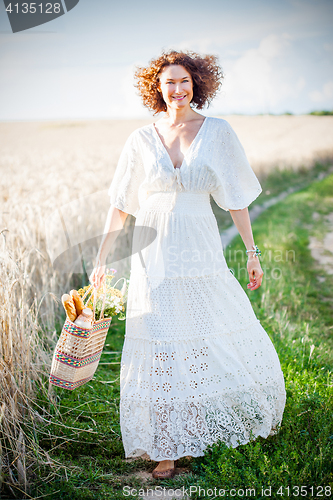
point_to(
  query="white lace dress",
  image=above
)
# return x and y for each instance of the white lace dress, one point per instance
(196, 366)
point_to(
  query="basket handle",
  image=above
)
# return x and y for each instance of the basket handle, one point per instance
(114, 286)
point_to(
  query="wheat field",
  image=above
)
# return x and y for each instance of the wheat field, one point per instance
(54, 182)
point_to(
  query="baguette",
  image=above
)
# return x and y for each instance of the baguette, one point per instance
(78, 302)
(68, 303)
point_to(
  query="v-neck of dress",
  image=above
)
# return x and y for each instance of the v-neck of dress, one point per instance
(188, 150)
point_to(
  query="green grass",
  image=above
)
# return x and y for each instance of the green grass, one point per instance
(323, 112)
(295, 308)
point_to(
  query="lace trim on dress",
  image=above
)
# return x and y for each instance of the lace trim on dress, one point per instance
(185, 427)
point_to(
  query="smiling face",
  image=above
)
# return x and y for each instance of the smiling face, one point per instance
(176, 86)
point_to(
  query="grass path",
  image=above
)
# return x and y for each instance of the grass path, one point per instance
(294, 305)
(294, 287)
(231, 232)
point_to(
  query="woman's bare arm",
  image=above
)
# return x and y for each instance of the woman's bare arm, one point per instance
(242, 221)
(114, 224)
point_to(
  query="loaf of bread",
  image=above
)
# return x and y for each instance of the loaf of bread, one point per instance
(78, 302)
(68, 303)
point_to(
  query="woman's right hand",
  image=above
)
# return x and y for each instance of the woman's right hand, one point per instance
(98, 275)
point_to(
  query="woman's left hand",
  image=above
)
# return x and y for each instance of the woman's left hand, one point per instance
(255, 273)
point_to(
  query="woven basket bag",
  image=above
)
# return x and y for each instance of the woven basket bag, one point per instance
(78, 350)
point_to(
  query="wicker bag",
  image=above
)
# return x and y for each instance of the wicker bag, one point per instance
(78, 350)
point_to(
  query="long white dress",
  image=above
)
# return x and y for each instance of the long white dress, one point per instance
(197, 366)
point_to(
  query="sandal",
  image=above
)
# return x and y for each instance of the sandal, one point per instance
(164, 474)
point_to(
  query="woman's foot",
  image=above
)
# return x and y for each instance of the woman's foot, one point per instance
(164, 470)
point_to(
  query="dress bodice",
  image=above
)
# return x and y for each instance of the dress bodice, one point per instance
(215, 164)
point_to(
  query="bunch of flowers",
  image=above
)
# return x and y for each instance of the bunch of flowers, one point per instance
(114, 300)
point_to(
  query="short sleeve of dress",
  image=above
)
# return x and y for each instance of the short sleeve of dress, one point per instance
(236, 184)
(128, 177)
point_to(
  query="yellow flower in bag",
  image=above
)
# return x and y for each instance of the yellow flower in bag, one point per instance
(114, 299)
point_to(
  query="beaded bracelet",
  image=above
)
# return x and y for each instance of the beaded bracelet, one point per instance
(255, 249)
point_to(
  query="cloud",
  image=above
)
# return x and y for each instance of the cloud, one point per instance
(201, 45)
(256, 81)
(328, 47)
(273, 46)
(129, 102)
(324, 94)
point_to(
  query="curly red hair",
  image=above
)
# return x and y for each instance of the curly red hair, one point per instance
(205, 71)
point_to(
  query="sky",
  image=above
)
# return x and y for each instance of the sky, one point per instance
(277, 56)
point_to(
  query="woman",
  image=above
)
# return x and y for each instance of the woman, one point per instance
(197, 366)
